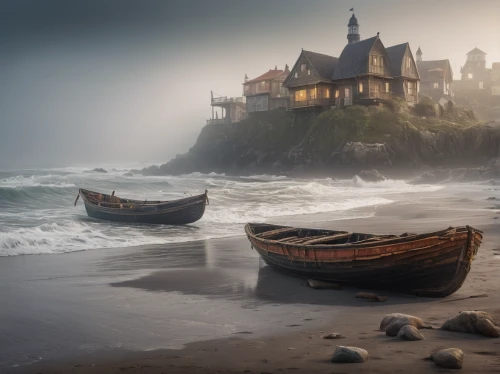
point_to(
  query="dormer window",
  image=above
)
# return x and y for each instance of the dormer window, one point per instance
(296, 75)
(308, 71)
(469, 76)
(303, 67)
(435, 85)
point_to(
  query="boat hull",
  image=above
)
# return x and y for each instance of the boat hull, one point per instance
(178, 212)
(432, 266)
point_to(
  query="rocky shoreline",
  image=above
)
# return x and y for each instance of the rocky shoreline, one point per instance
(335, 142)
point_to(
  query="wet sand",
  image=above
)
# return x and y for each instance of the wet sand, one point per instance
(209, 307)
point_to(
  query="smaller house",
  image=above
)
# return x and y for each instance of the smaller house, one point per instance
(404, 72)
(310, 81)
(266, 92)
(475, 86)
(233, 109)
(436, 78)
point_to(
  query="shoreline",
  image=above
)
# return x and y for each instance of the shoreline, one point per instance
(253, 326)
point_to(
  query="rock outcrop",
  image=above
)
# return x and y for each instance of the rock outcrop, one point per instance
(349, 139)
(393, 322)
(450, 358)
(474, 322)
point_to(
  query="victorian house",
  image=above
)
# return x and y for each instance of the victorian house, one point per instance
(436, 78)
(266, 92)
(366, 73)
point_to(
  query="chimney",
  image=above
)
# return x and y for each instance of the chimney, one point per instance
(246, 77)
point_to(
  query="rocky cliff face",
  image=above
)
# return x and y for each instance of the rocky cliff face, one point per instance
(354, 138)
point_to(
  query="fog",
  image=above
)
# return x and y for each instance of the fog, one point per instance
(94, 82)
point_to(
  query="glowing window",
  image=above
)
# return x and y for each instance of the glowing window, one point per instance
(361, 88)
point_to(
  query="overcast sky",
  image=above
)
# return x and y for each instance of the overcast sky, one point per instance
(96, 81)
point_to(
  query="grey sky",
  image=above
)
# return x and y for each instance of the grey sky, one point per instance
(110, 81)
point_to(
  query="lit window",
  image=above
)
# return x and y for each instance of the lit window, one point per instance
(337, 94)
(303, 67)
(469, 75)
(300, 95)
(387, 87)
(375, 60)
(361, 88)
(327, 93)
(312, 93)
(347, 93)
(435, 85)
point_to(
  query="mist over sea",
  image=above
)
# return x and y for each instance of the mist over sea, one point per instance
(37, 215)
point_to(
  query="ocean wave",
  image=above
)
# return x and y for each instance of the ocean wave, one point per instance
(394, 185)
(72, 236)
(20, 181)
(243, 213)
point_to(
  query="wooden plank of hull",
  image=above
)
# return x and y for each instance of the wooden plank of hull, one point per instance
(434, 266)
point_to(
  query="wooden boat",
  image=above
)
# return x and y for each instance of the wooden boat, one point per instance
(114, 208)
(433, 264)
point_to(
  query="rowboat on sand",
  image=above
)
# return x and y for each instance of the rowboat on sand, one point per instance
(432, 265)
(114, 208)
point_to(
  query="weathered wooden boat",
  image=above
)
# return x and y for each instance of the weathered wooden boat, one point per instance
(432, 265)
(114, 208)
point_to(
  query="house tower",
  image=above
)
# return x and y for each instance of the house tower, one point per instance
(419, 54)
(353, 30)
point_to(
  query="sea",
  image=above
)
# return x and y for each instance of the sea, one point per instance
(38, 216)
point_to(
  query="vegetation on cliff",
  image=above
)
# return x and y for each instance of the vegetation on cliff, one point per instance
(357, 136)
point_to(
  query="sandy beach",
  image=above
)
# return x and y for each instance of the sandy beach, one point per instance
(213, 307)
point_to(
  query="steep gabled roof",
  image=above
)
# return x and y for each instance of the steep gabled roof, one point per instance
(271, 74)
(476, 51)
(396, 54)
(354, 59)
(322, 65)
(425, 66)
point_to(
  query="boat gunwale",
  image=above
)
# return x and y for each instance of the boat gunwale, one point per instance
(356, 245)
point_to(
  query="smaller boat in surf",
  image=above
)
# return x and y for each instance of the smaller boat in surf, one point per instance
(114, 208)
(433, 264)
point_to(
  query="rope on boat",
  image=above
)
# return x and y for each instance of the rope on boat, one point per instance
(206, 197)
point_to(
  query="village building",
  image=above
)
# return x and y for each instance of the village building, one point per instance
(267, 92)
(310, 81)
(366, 73)
(436, 79)
(233, 109)
(475, 85)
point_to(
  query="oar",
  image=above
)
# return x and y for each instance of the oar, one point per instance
(77, 197)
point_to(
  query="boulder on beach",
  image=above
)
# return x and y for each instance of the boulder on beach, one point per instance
(393, 322)
(408, 332)
(371, 296)
(350, 355)
(322, 285)
(334, 335)
(473, 322)
(371, 176)
(450, 358)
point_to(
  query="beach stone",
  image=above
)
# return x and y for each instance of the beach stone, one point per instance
(371, 176)
(450, 358)
(350, 355)
(408, 332)
(473, 322)
(371, 296)
(334, 335)
(393, 322)
(322, 285)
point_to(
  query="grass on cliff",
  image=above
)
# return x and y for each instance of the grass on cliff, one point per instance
(377, 124)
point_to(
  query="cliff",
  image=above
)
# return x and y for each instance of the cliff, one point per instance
(340, 139)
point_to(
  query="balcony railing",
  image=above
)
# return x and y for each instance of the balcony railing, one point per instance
(226, 100)
(311, 103)
(376, 95)
(218, 121)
